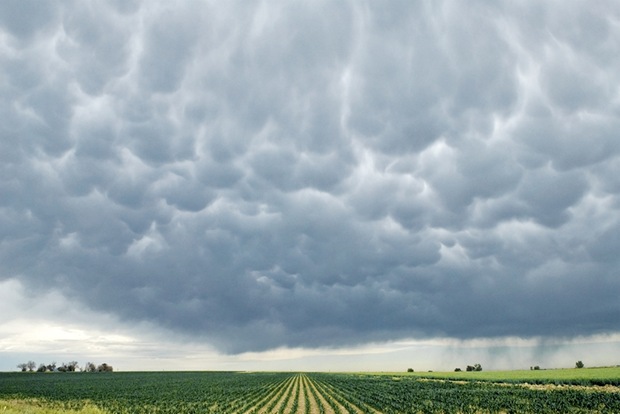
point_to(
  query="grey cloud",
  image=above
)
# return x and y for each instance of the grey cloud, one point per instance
(591, 138)
(548, 195)
(98, 52)
(218, 175)
(606, 245)
(24, 19)
(319, 174)
(410, 76)
(168, 44)
(474, 170)
(186, 194)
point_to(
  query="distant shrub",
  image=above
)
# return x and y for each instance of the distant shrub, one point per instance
(579, 364)
(409, 369)
(457, 370)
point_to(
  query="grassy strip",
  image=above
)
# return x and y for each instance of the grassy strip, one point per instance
(582, 376)
(34, 406)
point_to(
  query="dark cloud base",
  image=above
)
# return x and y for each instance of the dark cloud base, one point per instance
(316, 174)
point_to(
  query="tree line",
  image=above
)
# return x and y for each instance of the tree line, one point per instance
(64, 367)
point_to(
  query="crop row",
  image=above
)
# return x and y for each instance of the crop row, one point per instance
(410, 395)
(262, 393)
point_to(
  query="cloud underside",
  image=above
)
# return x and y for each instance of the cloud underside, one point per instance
(322, 174)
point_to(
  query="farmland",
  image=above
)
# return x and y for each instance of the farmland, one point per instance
(586, 376)
(305, 393)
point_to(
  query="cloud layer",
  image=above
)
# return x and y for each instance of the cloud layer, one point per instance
(321, 174)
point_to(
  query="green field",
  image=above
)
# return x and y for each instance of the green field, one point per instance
(584, 376)
(310, 393)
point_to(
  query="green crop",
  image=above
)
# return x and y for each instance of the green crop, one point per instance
(247, 393)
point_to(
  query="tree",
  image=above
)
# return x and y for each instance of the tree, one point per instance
(457, 369)
(105, 368)
(42, 368)
(409, 369)
(71, 366)
(579, 364)
(31, 365)
(477, 367)
(23, 366)
(90, 367)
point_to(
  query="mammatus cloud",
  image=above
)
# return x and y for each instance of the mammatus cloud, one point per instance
(316, 174)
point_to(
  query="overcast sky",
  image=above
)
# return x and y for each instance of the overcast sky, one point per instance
(247, 181)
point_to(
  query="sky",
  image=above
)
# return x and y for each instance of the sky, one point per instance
(288, 185)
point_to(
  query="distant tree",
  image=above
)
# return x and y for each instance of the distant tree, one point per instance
(72, 366)
(52, 366)
(579, 364)
(409, 369)
(42, 368)
(105, 368)
(457, 370)
(31, 365)
(536, 368)
(477, 367)
(90, 367)
(23, 366)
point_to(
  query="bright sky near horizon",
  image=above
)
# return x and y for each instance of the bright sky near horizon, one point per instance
(331, 185)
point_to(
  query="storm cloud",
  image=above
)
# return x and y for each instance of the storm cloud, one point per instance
(316, 174)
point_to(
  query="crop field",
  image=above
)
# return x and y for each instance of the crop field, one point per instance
(304, 393)
(585, 376)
